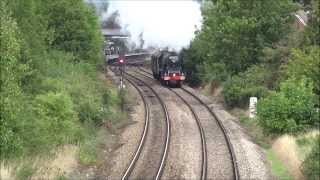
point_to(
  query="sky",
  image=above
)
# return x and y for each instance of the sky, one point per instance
(163, 22)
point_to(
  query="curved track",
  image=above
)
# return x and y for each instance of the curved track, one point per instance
(227, 139)
(202, 135)
(164, 152)
(143, 136)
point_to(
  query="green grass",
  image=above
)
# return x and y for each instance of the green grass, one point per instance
(90, 152)
(255, 130)
(277, 167)
(61, 177)
(88, 147)
(25, 172)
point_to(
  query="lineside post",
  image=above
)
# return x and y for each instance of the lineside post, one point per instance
(122, 86)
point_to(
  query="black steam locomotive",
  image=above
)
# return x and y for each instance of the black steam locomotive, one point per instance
(167, 68)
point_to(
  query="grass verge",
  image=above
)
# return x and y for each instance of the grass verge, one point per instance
(278, 169)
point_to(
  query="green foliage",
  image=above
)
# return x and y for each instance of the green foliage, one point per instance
(311, 165)
(48, 85)
(88, 152)
(192, 62)
(61, 177)
(78, 33)
(89, 96)
(290, 110)
(11, 74)
(91, 150)
(213, 72)
(252, 83)
(234, 33)
(56, 111)
(305, 63)
(312, 33)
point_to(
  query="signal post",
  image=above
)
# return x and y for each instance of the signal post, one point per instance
(121, 63)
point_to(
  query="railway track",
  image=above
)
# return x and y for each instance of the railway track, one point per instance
(179, 93)
(157, 154)
(202, 135)
(203, 174)
(143, 136)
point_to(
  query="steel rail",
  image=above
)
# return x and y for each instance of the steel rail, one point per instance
(202, 135)
(168, 129)
(236, 174)
(143, 136)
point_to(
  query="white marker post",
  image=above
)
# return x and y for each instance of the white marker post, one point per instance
(253, 107)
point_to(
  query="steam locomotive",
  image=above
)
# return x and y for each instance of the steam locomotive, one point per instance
(167, 68)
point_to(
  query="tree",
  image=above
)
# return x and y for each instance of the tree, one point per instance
(234, 33)
(312, 35)
(304, 64)
(76, 29)
(290, 110)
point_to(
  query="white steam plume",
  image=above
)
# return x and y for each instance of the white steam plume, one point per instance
(163, 22)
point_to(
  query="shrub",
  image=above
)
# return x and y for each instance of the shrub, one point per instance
(238, 89)
(56, 111)
(290, 110)
(90, 97)
(311, 165)
(48, 76)
(305, 63)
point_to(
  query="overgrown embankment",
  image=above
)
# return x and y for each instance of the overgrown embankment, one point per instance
(259, 48)
(50, 91)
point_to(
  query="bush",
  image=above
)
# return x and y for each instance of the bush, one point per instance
(238, 89)
(48, 76)
(305, 63)
(56, 111)
(311, 165)
(290, 110)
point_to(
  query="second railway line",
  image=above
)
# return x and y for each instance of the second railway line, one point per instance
(148, 160)
(221, 158)
(193, 145)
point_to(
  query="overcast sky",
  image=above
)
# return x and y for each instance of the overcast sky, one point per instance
(164, 23)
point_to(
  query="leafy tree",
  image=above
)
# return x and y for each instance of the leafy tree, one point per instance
(76, 29)
(305, 63)
(234, 36)
(48, 81)
(254, 82)
(238, 30)
(312, 35)
(290, 110)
